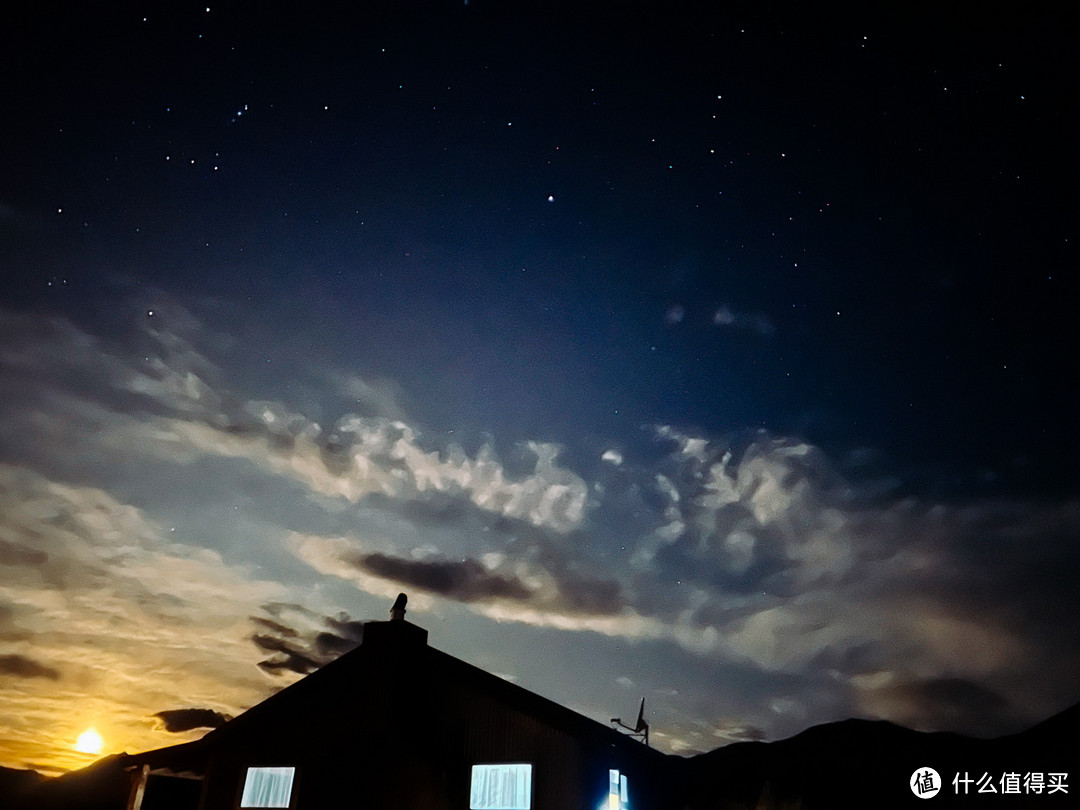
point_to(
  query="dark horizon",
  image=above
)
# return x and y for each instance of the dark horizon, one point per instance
(425, 691)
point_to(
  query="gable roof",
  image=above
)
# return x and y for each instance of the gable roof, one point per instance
(390, 645)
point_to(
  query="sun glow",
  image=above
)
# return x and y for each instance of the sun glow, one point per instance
(89, 742)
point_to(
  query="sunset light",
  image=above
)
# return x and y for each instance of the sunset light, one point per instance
(89, 742)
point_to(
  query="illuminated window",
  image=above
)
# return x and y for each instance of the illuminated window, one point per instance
(267, 787)
(501, 787)
(617, 799)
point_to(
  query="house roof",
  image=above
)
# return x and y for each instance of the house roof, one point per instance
(384, 645)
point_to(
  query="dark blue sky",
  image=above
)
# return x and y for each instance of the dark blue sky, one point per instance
(695, 326)
(789, 164)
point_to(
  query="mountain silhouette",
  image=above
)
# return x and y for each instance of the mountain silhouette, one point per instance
(847, 764)
(871, 763)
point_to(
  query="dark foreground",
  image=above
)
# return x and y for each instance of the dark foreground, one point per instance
(854, 763)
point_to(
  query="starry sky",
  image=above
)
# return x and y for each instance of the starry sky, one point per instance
(712, 353)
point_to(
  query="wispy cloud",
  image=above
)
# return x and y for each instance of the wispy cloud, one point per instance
(795, 571)
(20, 666)
(108, 612)
(360, 457)
(370, 397)
(724, 316)
(751, 552)
(166, 397)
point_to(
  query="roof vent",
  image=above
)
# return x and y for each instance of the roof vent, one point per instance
(397, 612)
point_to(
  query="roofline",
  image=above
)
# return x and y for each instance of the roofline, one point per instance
(516, 695)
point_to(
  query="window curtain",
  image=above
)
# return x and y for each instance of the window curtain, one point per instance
(267, 787)
(501, 787)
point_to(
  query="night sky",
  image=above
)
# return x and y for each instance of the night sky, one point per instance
(721, 355)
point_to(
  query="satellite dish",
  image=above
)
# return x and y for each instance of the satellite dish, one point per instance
(640, 728)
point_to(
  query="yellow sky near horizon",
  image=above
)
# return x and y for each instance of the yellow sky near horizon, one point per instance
(108, 623)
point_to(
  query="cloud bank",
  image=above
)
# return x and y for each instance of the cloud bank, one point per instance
(816, 594)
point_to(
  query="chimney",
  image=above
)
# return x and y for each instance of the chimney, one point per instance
(397, 612)
(397, 631)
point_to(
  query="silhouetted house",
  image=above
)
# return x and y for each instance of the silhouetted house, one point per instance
(398, 724)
